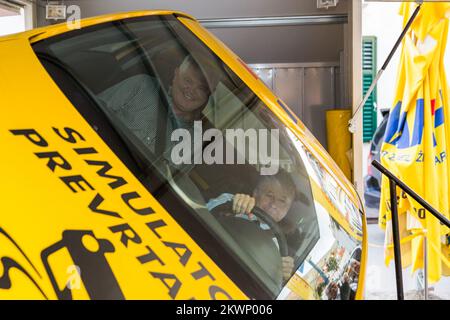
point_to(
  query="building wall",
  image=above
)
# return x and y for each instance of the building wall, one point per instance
(202, 9)
(309, 43)
(354, 61)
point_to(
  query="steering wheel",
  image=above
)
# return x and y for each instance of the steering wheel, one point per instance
(273, 225)
(276, 229)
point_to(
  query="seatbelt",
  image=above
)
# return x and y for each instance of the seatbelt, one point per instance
(161, 129)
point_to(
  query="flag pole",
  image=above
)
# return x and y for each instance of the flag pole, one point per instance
(351, 123)
(425, 263)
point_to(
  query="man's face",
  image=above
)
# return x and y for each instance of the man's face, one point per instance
(189, 89)
(273, 199)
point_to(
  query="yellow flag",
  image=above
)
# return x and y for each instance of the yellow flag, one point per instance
(416, 142)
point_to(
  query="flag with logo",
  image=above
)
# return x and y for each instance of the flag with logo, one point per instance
(417, 141)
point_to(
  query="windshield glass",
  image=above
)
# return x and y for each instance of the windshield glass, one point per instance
(189, 119)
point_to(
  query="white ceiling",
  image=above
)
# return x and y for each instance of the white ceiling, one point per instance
(7, 11)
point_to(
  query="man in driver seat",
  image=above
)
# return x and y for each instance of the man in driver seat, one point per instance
(273, 194)
(136, 103)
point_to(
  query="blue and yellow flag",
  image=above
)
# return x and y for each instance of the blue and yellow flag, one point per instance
(417, 141)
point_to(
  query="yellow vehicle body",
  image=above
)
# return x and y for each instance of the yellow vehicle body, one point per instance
(48, 211)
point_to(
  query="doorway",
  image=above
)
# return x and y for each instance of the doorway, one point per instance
(12, 20)
(309, 89)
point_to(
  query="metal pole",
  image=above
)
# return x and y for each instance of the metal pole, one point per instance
(351, 124)
(411, 193)
(425, 263)
(396, 240)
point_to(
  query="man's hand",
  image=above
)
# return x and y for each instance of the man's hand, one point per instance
(243, 204)
(346, 278)
(287, 264)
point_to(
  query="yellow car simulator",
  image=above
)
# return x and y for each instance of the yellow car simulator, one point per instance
(142, 159)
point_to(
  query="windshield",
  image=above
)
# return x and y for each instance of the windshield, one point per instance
(187, 118)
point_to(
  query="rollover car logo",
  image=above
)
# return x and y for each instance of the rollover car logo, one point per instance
(88, 253)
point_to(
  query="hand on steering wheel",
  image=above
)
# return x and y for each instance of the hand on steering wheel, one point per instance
(244, 204)
(287, 261)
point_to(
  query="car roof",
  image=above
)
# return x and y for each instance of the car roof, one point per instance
(41, 33)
